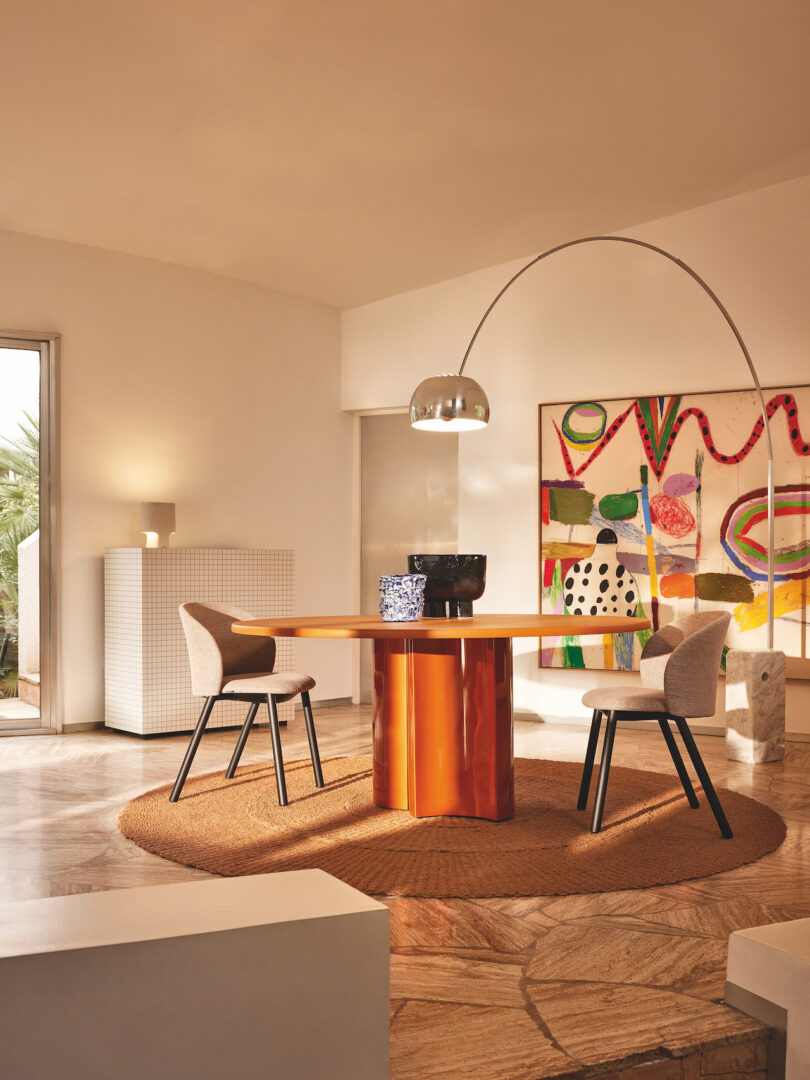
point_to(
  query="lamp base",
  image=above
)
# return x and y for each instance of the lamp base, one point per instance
(755, 705)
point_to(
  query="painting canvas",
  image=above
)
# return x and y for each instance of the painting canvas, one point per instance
(657, 506)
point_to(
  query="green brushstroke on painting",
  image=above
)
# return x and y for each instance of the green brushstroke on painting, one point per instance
(556, 586)
(570, 506)
(729, 588)
(659, 445)
(619, 507)
(572, 653)
(642, 635)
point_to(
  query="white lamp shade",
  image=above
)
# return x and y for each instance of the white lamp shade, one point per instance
(158, 522)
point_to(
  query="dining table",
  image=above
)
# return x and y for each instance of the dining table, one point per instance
(442, 715)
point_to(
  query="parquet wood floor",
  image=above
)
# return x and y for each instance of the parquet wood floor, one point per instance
(625, 984)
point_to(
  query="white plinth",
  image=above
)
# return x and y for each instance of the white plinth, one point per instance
(768, 977)
(277, 975)
(755, 705)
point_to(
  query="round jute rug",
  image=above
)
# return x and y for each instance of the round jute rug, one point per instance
(650, 836)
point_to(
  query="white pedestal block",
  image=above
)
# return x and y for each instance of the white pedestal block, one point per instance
(768, 977)
(755, 705)
(277, 975)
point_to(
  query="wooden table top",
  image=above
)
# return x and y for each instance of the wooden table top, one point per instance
(479, 626)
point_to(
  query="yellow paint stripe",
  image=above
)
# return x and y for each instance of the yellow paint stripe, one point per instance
(651, 564)
(786, 598)
(607, 651)
(561, 549)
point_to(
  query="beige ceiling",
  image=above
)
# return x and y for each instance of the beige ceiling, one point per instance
(347, 150)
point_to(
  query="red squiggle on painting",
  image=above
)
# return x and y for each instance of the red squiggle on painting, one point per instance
(671, 515)
(785, 401)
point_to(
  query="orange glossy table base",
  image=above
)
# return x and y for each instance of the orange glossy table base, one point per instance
(443, 726)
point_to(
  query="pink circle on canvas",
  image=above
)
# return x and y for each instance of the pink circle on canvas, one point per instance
(680, 483)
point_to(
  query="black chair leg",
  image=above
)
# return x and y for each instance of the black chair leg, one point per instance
(243, 737)
(313, 741)
(677, 760)
(590, 754)
(192, 749)
(278, 760)
(703, 776)
(604, 770)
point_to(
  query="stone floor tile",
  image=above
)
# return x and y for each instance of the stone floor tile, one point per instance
(627, 902)
(745, 1057)
(616, 955)
(454, 924)
(432, 977)
(669, 1069)
(482, 1043)
(641, 1020)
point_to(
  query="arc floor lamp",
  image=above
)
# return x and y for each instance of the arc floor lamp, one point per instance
(455, 402)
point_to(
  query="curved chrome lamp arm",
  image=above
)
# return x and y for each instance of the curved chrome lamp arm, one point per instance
(718, 303)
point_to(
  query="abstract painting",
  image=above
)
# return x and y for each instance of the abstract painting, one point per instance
(656, 506)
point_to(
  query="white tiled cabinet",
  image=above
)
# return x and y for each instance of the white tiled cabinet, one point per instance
(146, 672)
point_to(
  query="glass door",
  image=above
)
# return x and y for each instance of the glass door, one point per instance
(26, 369)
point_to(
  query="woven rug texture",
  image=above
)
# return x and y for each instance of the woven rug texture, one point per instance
(650, 836)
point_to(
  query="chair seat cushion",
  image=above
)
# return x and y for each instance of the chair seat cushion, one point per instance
(626, 699)
(279, 683)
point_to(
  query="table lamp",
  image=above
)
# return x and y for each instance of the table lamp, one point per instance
(157, 521)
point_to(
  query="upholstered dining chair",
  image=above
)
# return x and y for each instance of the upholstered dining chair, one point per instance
(680, 665)
(238, 667)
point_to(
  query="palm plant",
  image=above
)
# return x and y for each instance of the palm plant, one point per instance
(19, 513)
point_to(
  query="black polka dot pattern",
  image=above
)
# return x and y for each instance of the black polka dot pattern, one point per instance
(593, 587)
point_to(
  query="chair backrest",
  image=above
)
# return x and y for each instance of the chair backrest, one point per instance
(683, 660)
(215, 652)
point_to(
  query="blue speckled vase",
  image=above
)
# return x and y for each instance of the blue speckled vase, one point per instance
(402, 597)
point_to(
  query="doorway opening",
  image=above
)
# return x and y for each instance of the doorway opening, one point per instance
(27, 373)
(408, 505)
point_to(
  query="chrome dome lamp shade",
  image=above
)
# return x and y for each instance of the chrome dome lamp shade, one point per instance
(449, 403)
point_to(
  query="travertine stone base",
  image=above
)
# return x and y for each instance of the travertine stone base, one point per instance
(755, 705)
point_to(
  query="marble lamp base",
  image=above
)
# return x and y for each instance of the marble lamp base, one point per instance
(755, 705)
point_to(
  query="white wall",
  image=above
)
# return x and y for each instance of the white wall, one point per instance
(184, 387)
(599, 320)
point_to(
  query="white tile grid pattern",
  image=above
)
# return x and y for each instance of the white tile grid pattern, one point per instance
(147, 681)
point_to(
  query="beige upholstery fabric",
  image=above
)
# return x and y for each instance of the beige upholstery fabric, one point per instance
(283, 684)
(681, 662)
(217, 655)
(628, 698)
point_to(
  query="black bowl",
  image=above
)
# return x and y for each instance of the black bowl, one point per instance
(453, 582)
